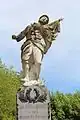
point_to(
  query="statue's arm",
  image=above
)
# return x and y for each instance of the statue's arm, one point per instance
(22, 34)
(55, 24)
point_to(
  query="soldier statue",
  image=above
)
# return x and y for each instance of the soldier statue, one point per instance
(39, 37)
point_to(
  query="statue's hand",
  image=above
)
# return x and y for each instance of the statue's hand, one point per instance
(13, 36)
(61, 19)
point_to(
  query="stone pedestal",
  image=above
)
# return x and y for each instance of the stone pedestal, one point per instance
(33, 103)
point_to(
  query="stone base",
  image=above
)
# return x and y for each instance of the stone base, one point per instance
(33, 103)
(32, 82)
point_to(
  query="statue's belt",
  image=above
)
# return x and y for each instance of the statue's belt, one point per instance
(28, 42)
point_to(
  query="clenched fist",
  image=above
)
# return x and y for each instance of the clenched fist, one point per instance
(13, 36)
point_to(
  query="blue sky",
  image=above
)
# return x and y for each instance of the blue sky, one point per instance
(61, 65)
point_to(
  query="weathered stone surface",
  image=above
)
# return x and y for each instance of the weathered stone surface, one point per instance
(33, 111)
(33, 104)
(39, 37)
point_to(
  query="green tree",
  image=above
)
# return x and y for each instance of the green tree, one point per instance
(9, 83)
(65, 106)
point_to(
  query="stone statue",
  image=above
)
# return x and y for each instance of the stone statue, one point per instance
(39, 37)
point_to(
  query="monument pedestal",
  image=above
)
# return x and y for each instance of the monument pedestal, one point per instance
(33, 103)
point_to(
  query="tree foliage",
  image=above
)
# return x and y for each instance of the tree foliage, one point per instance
(65, 106)
(9, 83)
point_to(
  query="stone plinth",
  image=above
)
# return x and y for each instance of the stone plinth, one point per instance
(33, 103)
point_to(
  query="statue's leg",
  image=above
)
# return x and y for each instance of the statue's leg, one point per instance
(38, 55)
(32, 68)
(25, 66)
(25, 63)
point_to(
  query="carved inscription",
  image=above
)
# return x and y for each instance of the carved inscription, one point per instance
(33, 111)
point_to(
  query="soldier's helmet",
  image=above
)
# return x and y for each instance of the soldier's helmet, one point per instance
(44, 19)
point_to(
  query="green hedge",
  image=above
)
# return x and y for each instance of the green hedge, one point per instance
(63, 106)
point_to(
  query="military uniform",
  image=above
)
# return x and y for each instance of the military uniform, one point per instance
(39, 37)
(32, 51)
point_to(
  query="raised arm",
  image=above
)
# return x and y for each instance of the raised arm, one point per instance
(55, 26)
(21, 35)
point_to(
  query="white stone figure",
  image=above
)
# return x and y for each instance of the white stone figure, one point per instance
(39, 37)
